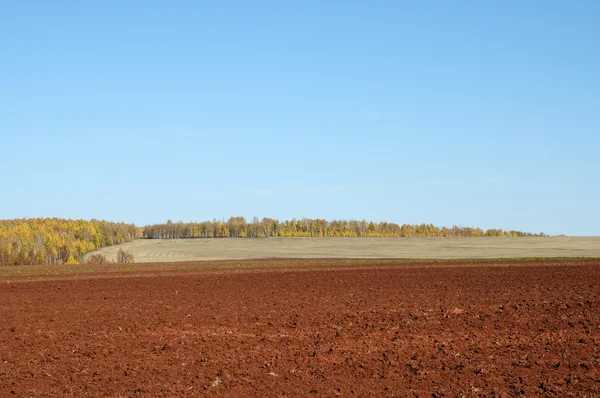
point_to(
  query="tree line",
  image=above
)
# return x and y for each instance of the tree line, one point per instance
(58, 241)
(238, 227)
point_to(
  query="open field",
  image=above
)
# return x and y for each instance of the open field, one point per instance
(168, 250)
(304, 328)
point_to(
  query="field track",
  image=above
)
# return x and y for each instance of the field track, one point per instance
(303, 328)
(162, 250)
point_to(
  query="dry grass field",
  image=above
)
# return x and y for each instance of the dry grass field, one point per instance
(157, 250)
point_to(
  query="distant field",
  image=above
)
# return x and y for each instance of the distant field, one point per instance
(169, 250)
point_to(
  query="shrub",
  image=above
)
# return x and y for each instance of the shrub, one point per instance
(97, 259)
(124, 257)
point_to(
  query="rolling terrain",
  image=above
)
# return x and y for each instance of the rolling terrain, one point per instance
(170, 250)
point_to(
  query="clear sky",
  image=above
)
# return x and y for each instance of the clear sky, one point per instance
(474, 113)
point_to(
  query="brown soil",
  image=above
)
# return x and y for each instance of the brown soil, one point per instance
(510, 329)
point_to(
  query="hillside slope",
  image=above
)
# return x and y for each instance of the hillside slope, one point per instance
(166, 250)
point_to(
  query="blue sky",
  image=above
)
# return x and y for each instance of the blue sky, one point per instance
(453, 113)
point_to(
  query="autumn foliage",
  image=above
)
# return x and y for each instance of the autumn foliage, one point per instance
(238, 227)
(124, 257)
(97, 259)
(58, 241)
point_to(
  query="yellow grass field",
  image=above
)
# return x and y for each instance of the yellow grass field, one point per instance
(159, 250)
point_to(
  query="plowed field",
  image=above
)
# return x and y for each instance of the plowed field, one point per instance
(395, 329)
